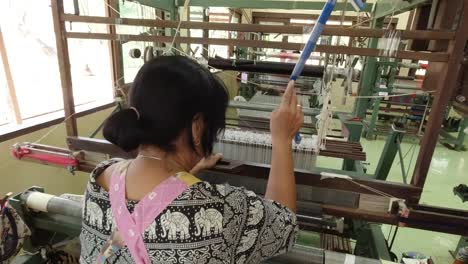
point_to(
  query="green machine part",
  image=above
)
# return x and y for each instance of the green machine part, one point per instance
(369, 76)
(370, 241)
(353, 130)
(391, 148)
(47, 229)
(384, 76)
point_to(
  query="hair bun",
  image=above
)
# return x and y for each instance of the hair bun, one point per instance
(123, 129)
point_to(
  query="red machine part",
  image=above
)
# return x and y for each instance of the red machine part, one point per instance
(24, 152)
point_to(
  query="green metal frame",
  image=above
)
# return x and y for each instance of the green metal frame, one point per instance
(370, 241)
(385, 8)
(43, 227)
(385, 73)
(167, 5)
(268, 4)
(369, 75)
(392, 146)
(354, 132)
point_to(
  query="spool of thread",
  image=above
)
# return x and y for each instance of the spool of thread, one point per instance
(462, 256)
(135, 53)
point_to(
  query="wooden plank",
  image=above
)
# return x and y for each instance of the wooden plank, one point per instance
(64, 67)
(444, 80)
(9, 79)
(115, 48)
(374, 203)
(286, 29)
(434, 56)
(361, 214)
(403, 191)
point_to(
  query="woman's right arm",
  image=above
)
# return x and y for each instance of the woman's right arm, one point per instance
(285, 123)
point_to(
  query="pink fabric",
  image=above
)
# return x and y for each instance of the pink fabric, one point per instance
(132, 226)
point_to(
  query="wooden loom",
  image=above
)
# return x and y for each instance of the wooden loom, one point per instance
(443, 68)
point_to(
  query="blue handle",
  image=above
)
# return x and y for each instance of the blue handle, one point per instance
(312, 42)
(313, 38)
(297, 138)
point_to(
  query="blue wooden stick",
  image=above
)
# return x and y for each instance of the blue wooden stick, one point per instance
(313, 38)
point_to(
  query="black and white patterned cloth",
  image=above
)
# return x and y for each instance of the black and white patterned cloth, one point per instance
(205, 224)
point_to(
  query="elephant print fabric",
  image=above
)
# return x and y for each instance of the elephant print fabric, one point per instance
(205, 224)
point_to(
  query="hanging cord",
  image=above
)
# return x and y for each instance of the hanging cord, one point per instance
(371, 189)
(185, 8)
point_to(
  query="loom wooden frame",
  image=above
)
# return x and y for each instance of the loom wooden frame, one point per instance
(447, 62)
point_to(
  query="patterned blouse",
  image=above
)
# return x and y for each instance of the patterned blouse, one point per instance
(207, 224)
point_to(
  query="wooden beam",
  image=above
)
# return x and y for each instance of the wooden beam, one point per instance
(56, 121)
(64, 67)
(438, 56)
(288, 29)
(443, 77)
(115, 48)
(247, 169)
(13, 100)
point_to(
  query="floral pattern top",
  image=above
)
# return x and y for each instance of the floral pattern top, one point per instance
(205, 224)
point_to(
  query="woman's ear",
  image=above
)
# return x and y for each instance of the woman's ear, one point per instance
(197, 130)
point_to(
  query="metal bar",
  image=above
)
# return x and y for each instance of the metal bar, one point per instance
(167, 5)
(269, 4)
(386, 8)
(434, 56)
(402, 162)
(264, 67)
(445, 78)
(13, 100)
(388, 155)
(375, 116)
(298, 16)
(286, 29)
(64, 67)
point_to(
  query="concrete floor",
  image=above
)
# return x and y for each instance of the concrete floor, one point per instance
(448, 169)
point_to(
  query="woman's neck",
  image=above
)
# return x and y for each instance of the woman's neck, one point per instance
(172, 161)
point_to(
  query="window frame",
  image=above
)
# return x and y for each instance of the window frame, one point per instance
(19, 126)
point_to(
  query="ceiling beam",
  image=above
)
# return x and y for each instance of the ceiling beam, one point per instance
(268, 4)
(298, 16)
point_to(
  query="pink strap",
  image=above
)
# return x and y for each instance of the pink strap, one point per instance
(132, 226)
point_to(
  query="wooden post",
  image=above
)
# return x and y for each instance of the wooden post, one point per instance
(64, 67)
(13, 100)
(442, 76)
(206, 34)
(115, 48)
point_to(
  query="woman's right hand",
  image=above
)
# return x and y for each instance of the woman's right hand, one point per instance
(287, 119)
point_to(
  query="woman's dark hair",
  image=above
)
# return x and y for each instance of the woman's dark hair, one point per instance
(168, 92)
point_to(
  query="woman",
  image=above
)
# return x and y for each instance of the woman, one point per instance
(151, 209)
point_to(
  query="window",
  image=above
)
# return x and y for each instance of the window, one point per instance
(6, 115)
(196, 14)
(90, 59)
(29, 38)
(134, 10)
(220, 15)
